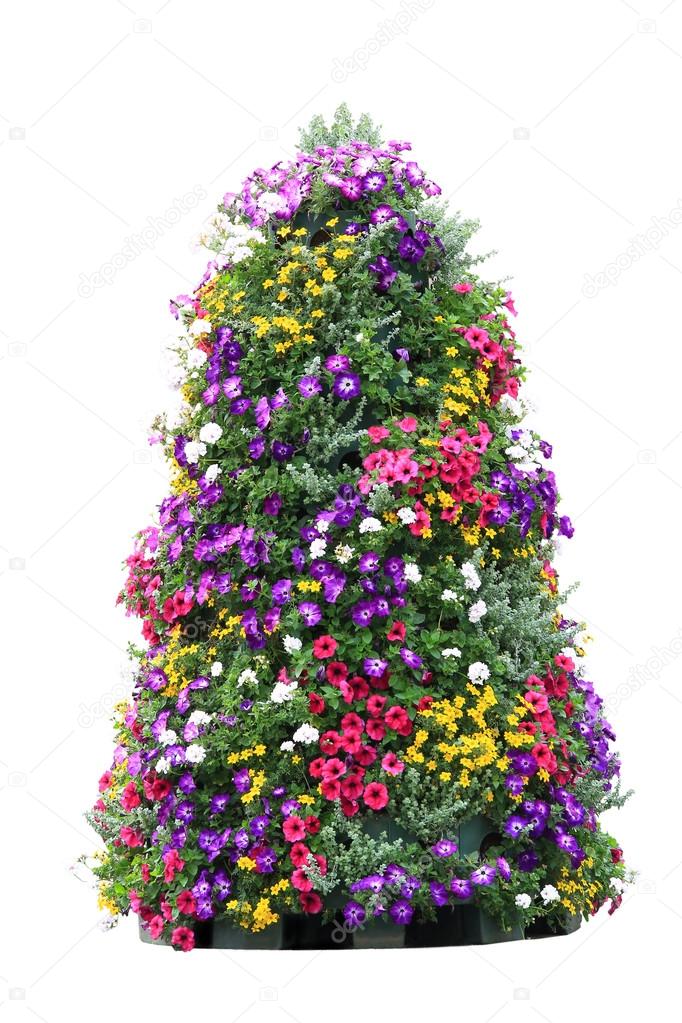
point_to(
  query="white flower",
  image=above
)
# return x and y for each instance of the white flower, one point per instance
(477, 610)
(247, 676)
(283, 692)
(196, 358)
(162, 765)
(478, 673)
(360, 337)
(370, 525)
(472, 580)
(200, 327)
(451, 651)
(216, 668)
(212, 473)
(322, 525)
(194, 754)
(523, 901)
(107, 922)
(271, 202)
(407, 516)
(617, 884)
(288, 746)
(317, 548)
(449, 595)
(344, 553)
(549, 894)
(210, 433)
(199, 717)
(168, 737)
(193, 450)
(306, 734)
(292, 644)
(412, 573)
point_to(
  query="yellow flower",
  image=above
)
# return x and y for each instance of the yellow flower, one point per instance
(299, 232)
(333, 222)
(328, 274)
(246, 863)
(422, 381)
(282, 295)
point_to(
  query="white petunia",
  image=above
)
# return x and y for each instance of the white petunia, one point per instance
(523, 901)
(196, 358)
(283, 692)
(193, 450)
(162, 765)
(288, 746)
(168, 737)
(212, 473)
(199, 717)
(247, 676)
(477, 610)
(407, 516)
(317, 548)
(210, 433)
(194, 754)
(200, 326)
(216, 668)
(322, 525)
(344, 553)
(478, 673)
(472, 579)
(549, 894)
(292, 644)
(451, 651)
(370, 525)
(449, 595)
(306, 734)
(412, 573)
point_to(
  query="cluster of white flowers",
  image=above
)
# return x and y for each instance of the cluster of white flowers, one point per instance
(283, 692)
(412, 573)
(168, 737)
(549, 894)
(213, 472)
(523, 900)
(306, 734)
(210, 433)
(477, 610)
(199, 717)
(196, 358)
(478, 673)
(291, 644)
(449, 595)
(216, 668)
(194, 754)
(200, 326)
(451, 651)
(317, 548)
(229, 240)
(370, 525)
(194, 449)
(344, 553)
(248, 675)
(407, 516)
(472, 579)
(524, 450)
(163, 765)
(287, 746)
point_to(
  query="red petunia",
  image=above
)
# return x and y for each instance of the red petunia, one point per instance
(310, 902)
(312, 824)
(130, 797)
(324, 646)
(375, 795)
(336, 672)
(185, 902)
(299, 854)
(392, 765)
(294, 829)
(183, 937)
(396, 633)
(316, 704)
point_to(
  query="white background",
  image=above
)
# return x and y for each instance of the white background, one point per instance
(555, 123)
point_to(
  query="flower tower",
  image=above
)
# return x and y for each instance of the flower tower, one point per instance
(359, 715)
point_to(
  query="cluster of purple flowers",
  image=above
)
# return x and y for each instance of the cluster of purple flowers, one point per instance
(522, 493)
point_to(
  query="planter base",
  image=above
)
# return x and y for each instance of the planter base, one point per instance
(464, 925)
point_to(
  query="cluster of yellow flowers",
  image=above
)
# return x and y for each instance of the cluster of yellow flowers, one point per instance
(578, 893)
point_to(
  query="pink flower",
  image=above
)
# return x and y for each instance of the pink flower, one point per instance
(375, 795)
(185, 902)
(172, 863)
(294, 829)
(310, 902)
(301, 881)
(130, 837)
(324, 646)
(392, 765)
(183, 937)
(538, 701)
(130, 797)
(463, 287)
(155, 926)
(408, 424)
(378, 433)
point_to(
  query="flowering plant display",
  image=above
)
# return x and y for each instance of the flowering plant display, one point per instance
(349, 612)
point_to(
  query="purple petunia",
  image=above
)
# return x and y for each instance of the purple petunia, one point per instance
(310, 613)
(483, 875)
(461, 887)
(375, 667)
(346, 385)
(401, 912)
(337, 363)
(309, 386)
(444, 847)
(411, 659)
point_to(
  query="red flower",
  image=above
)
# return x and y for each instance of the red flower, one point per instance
(172, 863)
(330, 742)
(105, 781)
(564, 663)
(130, 797)
(375, 705)
(324, 646)
(310, 902)
(538, 701)
(424, 702)
(185, 902)
(130, 837)
(375, 795)
(316, 704)
(616, 854)
(544, 757)
(330, 789)
(315, 767)
(392, 765)
(301, 881)
(376, 730)
(333, 769)
(351, 787)
(183, 937)
(349, 807)
(299, 854)
(396, 633)
(155, 926)
(294, 829)
(336, 672)
(365, 756)
(378, 433)
(312, 824)
(145, 872)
